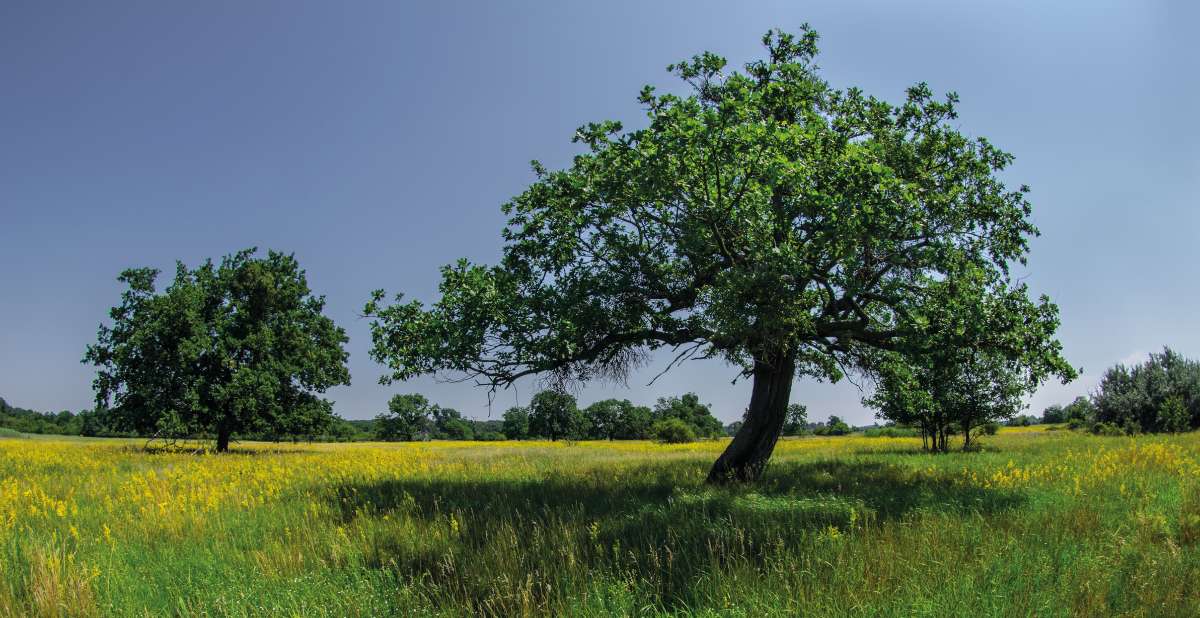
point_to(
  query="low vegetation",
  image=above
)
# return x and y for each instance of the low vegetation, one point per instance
(1038, 523)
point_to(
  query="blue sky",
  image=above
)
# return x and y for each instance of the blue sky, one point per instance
(377, 141)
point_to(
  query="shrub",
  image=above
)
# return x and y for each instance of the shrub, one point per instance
(5, 432)
(990, 429)
(673, 431)
(1107, 429)
(891, 432)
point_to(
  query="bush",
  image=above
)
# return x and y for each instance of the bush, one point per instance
(490, 436)
(673, 431)
(5, 432)
(990, 429)
(1107, 429)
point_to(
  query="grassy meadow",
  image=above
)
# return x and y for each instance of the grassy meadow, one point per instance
(1041, 523)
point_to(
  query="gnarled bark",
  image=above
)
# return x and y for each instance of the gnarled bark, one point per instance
(746, 456)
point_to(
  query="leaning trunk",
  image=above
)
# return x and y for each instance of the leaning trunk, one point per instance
(746, 456)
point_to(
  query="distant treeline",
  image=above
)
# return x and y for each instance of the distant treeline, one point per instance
(1161, 395)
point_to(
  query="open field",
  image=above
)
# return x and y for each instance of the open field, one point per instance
(1040, 523)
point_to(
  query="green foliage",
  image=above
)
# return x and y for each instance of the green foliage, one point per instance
(516, 423)
(1081, 409)
(990, 429)
(1159, 395)
(408, 418)
(984, 347)
(835, 426)
(31, 421)
(239, 347)
(760, 216)
(5, 432)
(673, 431)
(1054, 414)
(554, 415)
(689, 410)
(797, 420)
(1022, 420)
(893, 431)
(618, 419)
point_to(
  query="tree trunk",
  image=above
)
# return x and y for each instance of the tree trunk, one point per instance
(223, 434)
(746, 456)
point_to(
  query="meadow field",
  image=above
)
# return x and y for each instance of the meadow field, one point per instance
(1041, 523)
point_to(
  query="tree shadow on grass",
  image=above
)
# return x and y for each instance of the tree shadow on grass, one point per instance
(639, 521)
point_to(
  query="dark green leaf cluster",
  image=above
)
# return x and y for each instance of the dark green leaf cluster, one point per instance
(1159, 395)
(691, 411)
(239, 347)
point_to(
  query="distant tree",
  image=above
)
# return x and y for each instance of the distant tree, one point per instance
(797, 420)
(516, 423)
(673, 431)
(456, 429)
(1022, 420)
(408, 417)
(1080, 411)
(604, 419)
(1159, 395)
(239, 347)
(341, 430)
(761, 217)
(618, 419)
(689, 410)
(732, 428)
(448, 424)
(837, 427)
(555, 415)
(634, 421)
(1054, 414)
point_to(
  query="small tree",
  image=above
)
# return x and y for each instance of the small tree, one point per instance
(516, 423)
(555, 415)
(408, 417)
(1054, 414)
(837, 427)
(239, 347)
(634, 421)
(604, 418)
(689, 410)
(1079, 412)
(982, 348)
(797, 420)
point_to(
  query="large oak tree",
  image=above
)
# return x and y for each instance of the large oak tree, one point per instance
(761, 217)
(242, 346)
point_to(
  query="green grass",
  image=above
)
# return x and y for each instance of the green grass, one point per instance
(5, 432)
(1039, 523)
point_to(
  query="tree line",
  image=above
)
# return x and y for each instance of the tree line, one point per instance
(553, 415)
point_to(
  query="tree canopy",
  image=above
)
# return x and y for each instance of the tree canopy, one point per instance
(762, 217)
(242, 346)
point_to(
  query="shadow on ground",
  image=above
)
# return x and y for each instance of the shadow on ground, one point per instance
(641, 520)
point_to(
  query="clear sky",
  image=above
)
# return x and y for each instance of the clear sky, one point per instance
(377, 141)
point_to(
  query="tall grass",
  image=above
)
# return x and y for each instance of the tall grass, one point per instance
(1040, 523)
